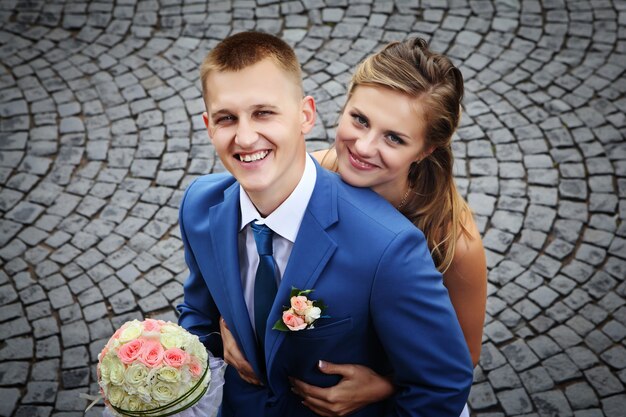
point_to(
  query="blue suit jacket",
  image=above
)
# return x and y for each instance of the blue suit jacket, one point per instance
(372, 268)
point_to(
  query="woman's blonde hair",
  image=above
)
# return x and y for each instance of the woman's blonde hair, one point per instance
(434, 204)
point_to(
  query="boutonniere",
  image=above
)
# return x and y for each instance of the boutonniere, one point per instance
(302, 313)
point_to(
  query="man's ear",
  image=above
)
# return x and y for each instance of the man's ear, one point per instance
(309, 114)
(205, 119)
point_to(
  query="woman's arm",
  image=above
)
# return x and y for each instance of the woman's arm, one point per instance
(466, 280)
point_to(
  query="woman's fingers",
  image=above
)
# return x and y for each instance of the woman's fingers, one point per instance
(319, 407)
(305, 390)
(329, 368)
(358, 387)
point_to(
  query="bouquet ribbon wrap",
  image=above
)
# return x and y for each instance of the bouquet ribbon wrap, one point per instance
(207, 401)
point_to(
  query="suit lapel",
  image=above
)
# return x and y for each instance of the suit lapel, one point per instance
(224, 221)
(311, 252)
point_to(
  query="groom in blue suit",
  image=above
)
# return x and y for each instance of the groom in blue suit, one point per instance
(387, 306)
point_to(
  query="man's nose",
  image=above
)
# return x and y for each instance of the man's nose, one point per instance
(246, 135)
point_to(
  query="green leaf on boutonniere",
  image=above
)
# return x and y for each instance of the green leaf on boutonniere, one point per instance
(295, 292)
(280, 325)
(320, 304)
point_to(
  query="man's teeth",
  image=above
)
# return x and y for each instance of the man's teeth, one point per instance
(253, 156)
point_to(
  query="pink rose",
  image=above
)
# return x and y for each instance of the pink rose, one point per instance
(151, 354)
(195, 367)
(293, 321)
(175, 357)
(151, 325)
(130, 351)
(299, 304)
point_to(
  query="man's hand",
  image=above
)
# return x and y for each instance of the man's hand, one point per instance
(359, 387)
(234, 357)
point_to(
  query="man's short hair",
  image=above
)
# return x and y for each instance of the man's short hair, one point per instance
(245, 49)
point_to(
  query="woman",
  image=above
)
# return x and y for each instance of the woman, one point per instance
(394, 136)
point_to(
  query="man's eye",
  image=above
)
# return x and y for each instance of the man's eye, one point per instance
(263, 113)
(225, 119)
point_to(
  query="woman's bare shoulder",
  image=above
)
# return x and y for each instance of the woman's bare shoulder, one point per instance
(326, 157)
(319, 155)
(469, 253)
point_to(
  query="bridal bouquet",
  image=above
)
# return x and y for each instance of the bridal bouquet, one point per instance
(155, 369)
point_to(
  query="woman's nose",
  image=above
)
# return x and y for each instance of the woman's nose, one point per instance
(365, 145)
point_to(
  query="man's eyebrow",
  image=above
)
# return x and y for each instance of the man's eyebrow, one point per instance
(263, 106)
(251, 108)
(218, 112)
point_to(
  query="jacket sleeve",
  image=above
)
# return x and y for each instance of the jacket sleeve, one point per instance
(417, 325)
(198, 312)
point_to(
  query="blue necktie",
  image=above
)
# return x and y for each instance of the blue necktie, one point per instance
(265, 280)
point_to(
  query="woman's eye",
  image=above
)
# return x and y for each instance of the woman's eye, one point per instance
(396, 140)
(360, 119)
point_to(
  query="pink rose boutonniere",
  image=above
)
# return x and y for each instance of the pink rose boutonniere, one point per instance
(301, 313)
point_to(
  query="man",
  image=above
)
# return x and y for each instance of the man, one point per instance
(387, 306)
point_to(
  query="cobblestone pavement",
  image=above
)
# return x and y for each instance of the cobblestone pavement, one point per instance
(100, 133)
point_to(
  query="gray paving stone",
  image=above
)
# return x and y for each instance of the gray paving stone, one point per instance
(11, 396)
(581, 396)
(536, 380)
(552, 402)
(561, 368)
(74, 334)
(497, 332)
(613, 406)
(519, 355)
(482, 396)
(515, 401)
(13, 373)
(122, 302)
(46, 370)
(75, 357)
(40, 392)
(603, 381)
(503, 378)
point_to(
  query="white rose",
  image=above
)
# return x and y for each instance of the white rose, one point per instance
(132, 403)
(115, 395)
(132, 331)
(164, 393)
(172, 340)
(145, 394)
(170, 327)
(135, 376)
(116, 371)
(105, 369)
(168, 374)
(198, 350)
(311, 314)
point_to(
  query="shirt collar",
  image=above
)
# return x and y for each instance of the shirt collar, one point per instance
(286, 219)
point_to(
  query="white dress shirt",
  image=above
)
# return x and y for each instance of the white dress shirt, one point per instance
(285, 223)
